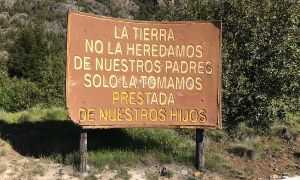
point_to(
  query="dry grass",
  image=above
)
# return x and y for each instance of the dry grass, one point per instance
(243, 150)
(2, 168)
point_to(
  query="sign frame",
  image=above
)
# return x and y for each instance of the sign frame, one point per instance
(218, 124)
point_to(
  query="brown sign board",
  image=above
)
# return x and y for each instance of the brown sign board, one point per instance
(123, 73)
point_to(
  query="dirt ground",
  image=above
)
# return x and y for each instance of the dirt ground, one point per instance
(16, 166)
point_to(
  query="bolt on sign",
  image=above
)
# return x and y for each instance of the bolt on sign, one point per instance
(123, 73)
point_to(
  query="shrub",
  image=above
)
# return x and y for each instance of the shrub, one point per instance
(35, 65)
(27, 54)
(260, 56)
(52, 80)
(146, 10)
(17, 94)
(243, 151)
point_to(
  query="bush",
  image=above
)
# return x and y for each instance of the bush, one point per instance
(146, 10)
(17, 94)
(27, 54)
(52, 80)
(260, 56)
(243, 151)
(36, 68)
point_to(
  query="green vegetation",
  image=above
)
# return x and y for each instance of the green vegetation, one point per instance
(119, 149)
(35, 114)
(243, 150)
(293, 123)
(214, 162)
(147, 9)
(261, 86)
(113, 158)
(167, 173)
(248, 171)
(17, 94)
(57, 138)
(260, 54)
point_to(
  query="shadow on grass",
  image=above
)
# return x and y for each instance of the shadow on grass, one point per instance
(51, 138)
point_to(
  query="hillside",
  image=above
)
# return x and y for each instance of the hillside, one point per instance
(51, 15)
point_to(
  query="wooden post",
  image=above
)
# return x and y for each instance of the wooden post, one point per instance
(83, 151)
(200, 137)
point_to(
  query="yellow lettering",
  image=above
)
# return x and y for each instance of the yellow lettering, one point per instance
(115, 97)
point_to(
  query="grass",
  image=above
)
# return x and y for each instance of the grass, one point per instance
(215, 162)
(248, 172)
(167, 173)
(291, 124)
(2, 143)
(218, 163)
(2, 152)
(243, 150)
(294, 123)
(37, 170)
(123, 174)
(274, 146)
(113, 157)
(34, 114)
(41, 132)
(192, 178)
(151, 176)
(91, 177)
(46, 133)
(2, 168)
(2, 148)
(216, 135)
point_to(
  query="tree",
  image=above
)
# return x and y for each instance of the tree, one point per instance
(260, 56)
(36, 59)
(27, 54)
(52, 79)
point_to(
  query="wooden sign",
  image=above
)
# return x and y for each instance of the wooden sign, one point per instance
(123, 73)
